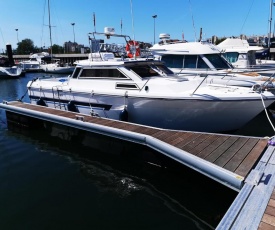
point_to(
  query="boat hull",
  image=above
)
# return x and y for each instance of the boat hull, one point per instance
(179, 114)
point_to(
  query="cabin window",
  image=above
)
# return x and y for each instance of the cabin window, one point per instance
(144, 71)
(184, 61)
(242, 56)
(163, 69)
(190, 61)
(201, 64)
(101, 73)
(217, 61)
(76, 72)
(231, 56)
(173, 61)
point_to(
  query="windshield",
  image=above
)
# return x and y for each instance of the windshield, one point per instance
(150, 70)
(217, 61)
(184, 61)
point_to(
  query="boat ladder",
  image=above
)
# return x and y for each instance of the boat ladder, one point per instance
(57, 101)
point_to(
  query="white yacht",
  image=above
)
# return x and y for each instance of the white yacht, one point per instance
(146, 92)
(34, 62)
(242, 56)
(57, 67)
(201, 57)
(238, 52)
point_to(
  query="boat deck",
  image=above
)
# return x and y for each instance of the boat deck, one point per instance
(229, 155)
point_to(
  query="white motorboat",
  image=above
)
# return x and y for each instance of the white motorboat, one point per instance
(146, 92)
(34, 62)
(201, 57)
(243, 56)
(8, 70)
(57, 67)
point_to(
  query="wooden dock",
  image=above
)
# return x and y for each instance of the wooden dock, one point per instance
(254, 207)
(246, 164)
(225, 158)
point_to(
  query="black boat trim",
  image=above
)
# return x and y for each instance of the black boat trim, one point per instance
(77, 103)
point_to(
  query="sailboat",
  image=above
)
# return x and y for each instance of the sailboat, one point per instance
(55, 66)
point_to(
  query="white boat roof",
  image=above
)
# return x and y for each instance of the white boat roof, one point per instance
(195, 48)
(103, 59)
(237, 45)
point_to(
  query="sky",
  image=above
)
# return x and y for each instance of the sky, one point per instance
(222, 18)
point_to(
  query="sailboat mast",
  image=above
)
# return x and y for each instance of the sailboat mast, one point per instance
(50, 27)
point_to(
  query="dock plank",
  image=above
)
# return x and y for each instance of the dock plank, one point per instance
(193, 144)
(229, 153)
(265, 226)
(177, 138)
(214, 145)
(238, 158)
(213, 156)
(251, 158)
(191, 138)
(269, 219)
(270, 211)
(206, 143)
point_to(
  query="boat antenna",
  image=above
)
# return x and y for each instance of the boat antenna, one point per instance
(94, 21)
(270, 22)
(190, 8)
(132, 20)
(247, 16)
(121, 26)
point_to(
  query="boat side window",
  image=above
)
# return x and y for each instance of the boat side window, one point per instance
(101, 73)
(242, 56)
(190, 61)
(164, 69)
(76, 72)
(144, 71)
(217, 61)
(202, 64)
(173, 61)
(231, 56)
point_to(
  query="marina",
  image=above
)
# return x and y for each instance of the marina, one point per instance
(99, 133)
(52, 179)
(244, 152)
(234, 155)
(156, 115)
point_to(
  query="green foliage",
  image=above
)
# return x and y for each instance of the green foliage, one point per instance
(57, 49)
(25, 46)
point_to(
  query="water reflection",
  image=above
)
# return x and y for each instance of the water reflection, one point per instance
(129, 172)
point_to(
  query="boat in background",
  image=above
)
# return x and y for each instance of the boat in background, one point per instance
(8, 69)
(242, 56)
(202, 58)
(10, 72)
(34, 62)
(238, 52)
(54, 65)
(145, 91)
(57, 67)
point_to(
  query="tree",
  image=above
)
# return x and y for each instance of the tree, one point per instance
(57, 49)
(25, 47)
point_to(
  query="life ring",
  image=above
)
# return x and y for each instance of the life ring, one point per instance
(129, 48)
